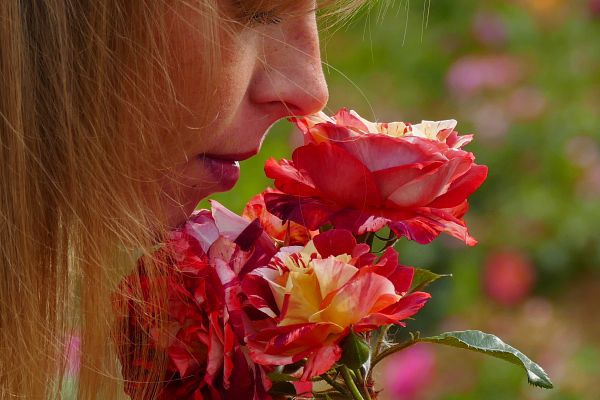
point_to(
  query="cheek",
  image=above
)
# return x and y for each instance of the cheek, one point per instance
(208, 98)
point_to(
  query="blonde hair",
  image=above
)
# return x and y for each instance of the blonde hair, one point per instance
(82, 161)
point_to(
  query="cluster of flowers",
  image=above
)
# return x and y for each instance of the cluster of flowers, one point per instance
(293, 292)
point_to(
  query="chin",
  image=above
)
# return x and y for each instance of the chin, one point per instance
(200, 178)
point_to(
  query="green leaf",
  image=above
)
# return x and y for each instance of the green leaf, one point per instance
(423, 278)
(282, 389)
(356, 351)
(493, 346)
(281, 377)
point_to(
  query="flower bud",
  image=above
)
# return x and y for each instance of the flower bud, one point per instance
(356, 351)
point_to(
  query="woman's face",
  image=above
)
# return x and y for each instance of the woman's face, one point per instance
(269, 71)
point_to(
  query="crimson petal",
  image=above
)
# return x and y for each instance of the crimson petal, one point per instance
(289, 179)
(307, 211)
(334, 243)
(379, 152)
(462, 187)
(424, 189)
(324, 162)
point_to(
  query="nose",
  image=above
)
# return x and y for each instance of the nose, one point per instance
(288, 73)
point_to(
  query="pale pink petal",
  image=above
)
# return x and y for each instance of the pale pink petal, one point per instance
(229, 224)
(350, 119)
(201, 226)
(456, 141)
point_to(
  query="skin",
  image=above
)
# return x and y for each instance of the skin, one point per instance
(270, 71)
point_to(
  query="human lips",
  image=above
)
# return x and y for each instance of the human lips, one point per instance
(233, 156)
(225, 168)
(224, 172)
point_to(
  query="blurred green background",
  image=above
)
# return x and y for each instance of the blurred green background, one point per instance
(524, 77)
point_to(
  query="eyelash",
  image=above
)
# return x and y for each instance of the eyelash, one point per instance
(255, 17)
(264, 18)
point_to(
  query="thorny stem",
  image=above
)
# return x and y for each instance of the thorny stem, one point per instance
(356, 395)
(387, 244)
(363, 384)
(390, 351)
(382, 334)
(335, 385)
(367, 238)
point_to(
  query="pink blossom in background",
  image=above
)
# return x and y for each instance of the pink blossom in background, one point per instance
(526, 103)
(594, 8)
(584, 152)
(472, 74)
(489, 29)
(491, 120)
(588, 185)
(73, 354)
(509, 277)
(409, 372)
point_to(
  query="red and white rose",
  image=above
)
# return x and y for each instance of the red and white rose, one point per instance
(204, 336)
(313, 296)
(362, 176)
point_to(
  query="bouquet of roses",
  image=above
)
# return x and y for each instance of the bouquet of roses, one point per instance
(294, 298)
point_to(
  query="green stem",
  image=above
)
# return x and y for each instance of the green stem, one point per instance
(387, 244)
(380, 338)
(387, 352)
(335, 385)
(392, 350)
(367, 238)
(363, 384)
(356, 395)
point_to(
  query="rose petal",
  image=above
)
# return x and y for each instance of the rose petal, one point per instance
(289, 179)
(361, 296)
(462, 187)
(377, 152)
(332, 274)
(321, 361)
(335, 242)
(230, 225)
(423, 190)
(390, 179)
(358, 221)
(307, 211)
(405, 308)
(357, 189)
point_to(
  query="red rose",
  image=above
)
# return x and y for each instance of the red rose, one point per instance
(362, 176)
(289, 233)
(206, 327)
(312, 296)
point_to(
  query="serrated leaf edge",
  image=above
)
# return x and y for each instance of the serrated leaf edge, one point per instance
(538, 378)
